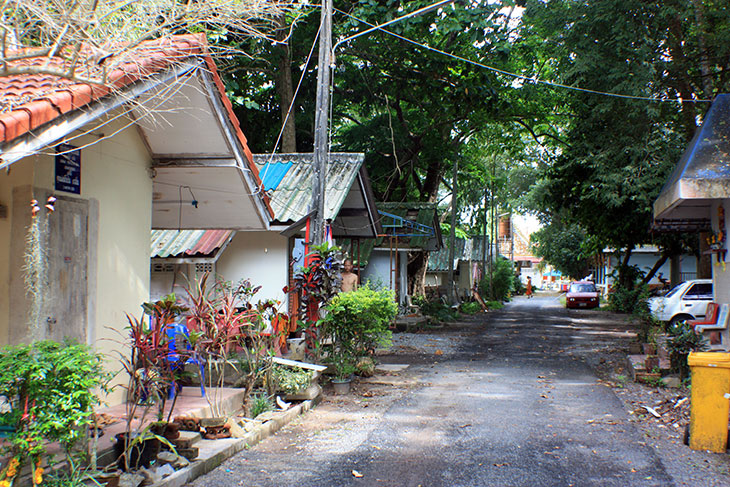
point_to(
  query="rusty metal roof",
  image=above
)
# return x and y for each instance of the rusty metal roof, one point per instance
(288, 180)
(188, 243)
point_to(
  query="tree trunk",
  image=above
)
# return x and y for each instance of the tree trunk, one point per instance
(675, 270)
(623, 276)
(285, 88)
(704, 261)
(704, 63)
(417, 264)
(657, 265)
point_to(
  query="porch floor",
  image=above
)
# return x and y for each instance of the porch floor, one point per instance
(189, 402)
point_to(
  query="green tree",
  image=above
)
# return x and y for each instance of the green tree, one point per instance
(619, 151)
(566, 247)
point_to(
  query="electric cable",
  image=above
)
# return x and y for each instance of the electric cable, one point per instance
(515, 75)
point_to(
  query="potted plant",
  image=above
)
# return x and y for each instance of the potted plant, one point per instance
(315, 284)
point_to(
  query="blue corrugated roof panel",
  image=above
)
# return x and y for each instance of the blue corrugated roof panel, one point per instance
(273, 173)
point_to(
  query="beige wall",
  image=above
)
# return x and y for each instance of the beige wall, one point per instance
(260, 257)
(20, 174)
(115, 179)
(720, 277)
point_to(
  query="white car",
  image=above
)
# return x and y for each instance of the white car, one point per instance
(686, 301)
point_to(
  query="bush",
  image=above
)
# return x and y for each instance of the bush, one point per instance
(51, 389)
(682, 341)
(503, 281)
(357, 322)
(291, 380)
(260, 403)
(436, 309)
(471, 307)
(363, 317)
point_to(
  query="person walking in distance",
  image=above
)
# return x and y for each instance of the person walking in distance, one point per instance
(528, 288)
(349, 278)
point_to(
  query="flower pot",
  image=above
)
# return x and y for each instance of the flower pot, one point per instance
(169, 431)
(651, 362)
(649, 348)
(140, 454)
(341, 386)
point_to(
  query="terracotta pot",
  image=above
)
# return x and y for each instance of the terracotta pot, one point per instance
(169, 431)
(139, 455)
(651, 362)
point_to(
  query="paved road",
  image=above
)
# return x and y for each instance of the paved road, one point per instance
(515, 406)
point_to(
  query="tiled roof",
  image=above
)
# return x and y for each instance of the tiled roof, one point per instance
(187, 243)
(28, 101)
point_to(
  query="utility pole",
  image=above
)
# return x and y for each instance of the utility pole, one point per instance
(453, 297)
(321, 123)
(484, 232)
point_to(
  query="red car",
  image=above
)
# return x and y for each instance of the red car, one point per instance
(582, 294)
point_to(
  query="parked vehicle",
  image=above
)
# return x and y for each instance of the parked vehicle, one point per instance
(582, 294)
(686, 301)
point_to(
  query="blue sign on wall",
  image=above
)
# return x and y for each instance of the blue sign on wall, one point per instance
(68, 169)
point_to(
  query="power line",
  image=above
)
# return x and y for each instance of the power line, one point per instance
(516, 75)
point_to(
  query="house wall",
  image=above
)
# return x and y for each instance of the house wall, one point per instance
(19, 174)
(720, 275)
(261, 257)
(378, 272)
(116, 183)
(646, 260)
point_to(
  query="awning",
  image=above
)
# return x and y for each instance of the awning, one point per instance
(701, 176)
(189, 245)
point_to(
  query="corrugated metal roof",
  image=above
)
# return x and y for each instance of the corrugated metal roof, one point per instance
(470, 249)
(273, 173)
(187, 243)
(419, 212)
(291, 196)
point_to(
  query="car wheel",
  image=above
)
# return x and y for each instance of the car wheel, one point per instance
(678, 318)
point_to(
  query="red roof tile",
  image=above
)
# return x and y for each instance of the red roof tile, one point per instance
(28, 101)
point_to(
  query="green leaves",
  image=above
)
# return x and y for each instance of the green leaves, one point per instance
(51, 387)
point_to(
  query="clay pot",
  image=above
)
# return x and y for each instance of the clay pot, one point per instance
(140, 454)
(651, 362)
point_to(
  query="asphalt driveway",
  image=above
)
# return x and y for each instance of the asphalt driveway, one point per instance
(512, 404)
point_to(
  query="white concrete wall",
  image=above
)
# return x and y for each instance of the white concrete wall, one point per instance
(646, 260)
(720, 275)
(378, 271)
(262, 258)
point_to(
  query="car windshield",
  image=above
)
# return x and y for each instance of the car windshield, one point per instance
(674, 290)
(582, 288)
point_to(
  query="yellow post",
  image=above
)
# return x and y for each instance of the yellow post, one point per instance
(710, 408)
